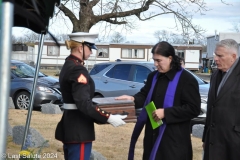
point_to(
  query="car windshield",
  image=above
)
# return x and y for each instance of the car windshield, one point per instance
(24, 71)
(98, 68)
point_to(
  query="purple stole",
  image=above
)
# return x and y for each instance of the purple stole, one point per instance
(142, 118)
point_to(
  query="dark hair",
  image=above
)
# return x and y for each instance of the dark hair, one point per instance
(165, 49)
(182, 60)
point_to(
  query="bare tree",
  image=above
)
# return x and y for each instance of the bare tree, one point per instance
(101, 39)
(30, 37)
(163, 35)
(236, 26)
(84, 14)
(117, 38)
(59, 37)
(14, 39)
(130, 42)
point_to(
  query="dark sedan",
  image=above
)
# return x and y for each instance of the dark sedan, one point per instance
(22, 78)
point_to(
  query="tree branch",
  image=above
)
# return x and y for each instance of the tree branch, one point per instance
(126, 13)
(115, 22)
(68, 13)
(123, 12)
(94, 2)
(60, 6)
(139, 17)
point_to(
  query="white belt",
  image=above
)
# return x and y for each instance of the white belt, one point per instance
(69, 106)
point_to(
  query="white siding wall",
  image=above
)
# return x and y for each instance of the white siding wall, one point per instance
(148, 54)
(192, 59)
(114, 53)
(192, 56)
(93, 59)
(23, 55)
(20, 55)
(53, 60)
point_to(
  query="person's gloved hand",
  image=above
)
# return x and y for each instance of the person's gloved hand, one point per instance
(116, 120)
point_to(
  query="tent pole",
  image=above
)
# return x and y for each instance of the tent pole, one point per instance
(40, 49)
(5, 58)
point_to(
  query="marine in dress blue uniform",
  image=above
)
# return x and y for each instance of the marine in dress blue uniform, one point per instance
(76, 127)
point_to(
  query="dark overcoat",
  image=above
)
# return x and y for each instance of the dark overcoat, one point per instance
(222, 129)
(176, 140)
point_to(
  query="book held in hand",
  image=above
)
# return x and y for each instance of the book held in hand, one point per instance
(150, 107)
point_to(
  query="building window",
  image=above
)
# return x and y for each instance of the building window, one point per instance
(180, 53)
(102, 53)
(132, 53)
(53, 51)
(19, 47)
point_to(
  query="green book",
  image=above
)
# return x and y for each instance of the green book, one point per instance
(150, 107)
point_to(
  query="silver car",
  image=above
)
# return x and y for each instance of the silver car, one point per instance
(127, 77)
(117, 78)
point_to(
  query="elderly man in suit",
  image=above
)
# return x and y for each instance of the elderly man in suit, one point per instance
(221, 136)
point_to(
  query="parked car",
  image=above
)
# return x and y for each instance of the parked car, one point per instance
(117, 78)
(127, 77)
(202, 117)
(213, 67)
(22, 78)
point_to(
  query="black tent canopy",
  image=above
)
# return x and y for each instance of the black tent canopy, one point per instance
(31, 14)
(34, 14)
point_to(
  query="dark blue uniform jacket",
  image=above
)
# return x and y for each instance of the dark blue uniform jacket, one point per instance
(77, 87)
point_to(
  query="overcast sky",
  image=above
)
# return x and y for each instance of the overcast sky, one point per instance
(220, 18)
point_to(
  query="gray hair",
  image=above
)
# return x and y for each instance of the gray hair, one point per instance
(230, 44)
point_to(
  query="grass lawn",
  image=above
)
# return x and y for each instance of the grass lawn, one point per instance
(112, 143)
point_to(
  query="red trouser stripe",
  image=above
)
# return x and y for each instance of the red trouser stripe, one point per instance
(82, 151)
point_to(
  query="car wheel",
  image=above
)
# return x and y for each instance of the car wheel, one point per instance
(22, 100)
(98, 96)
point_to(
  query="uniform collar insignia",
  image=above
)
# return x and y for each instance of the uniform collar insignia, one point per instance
(76, 59)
